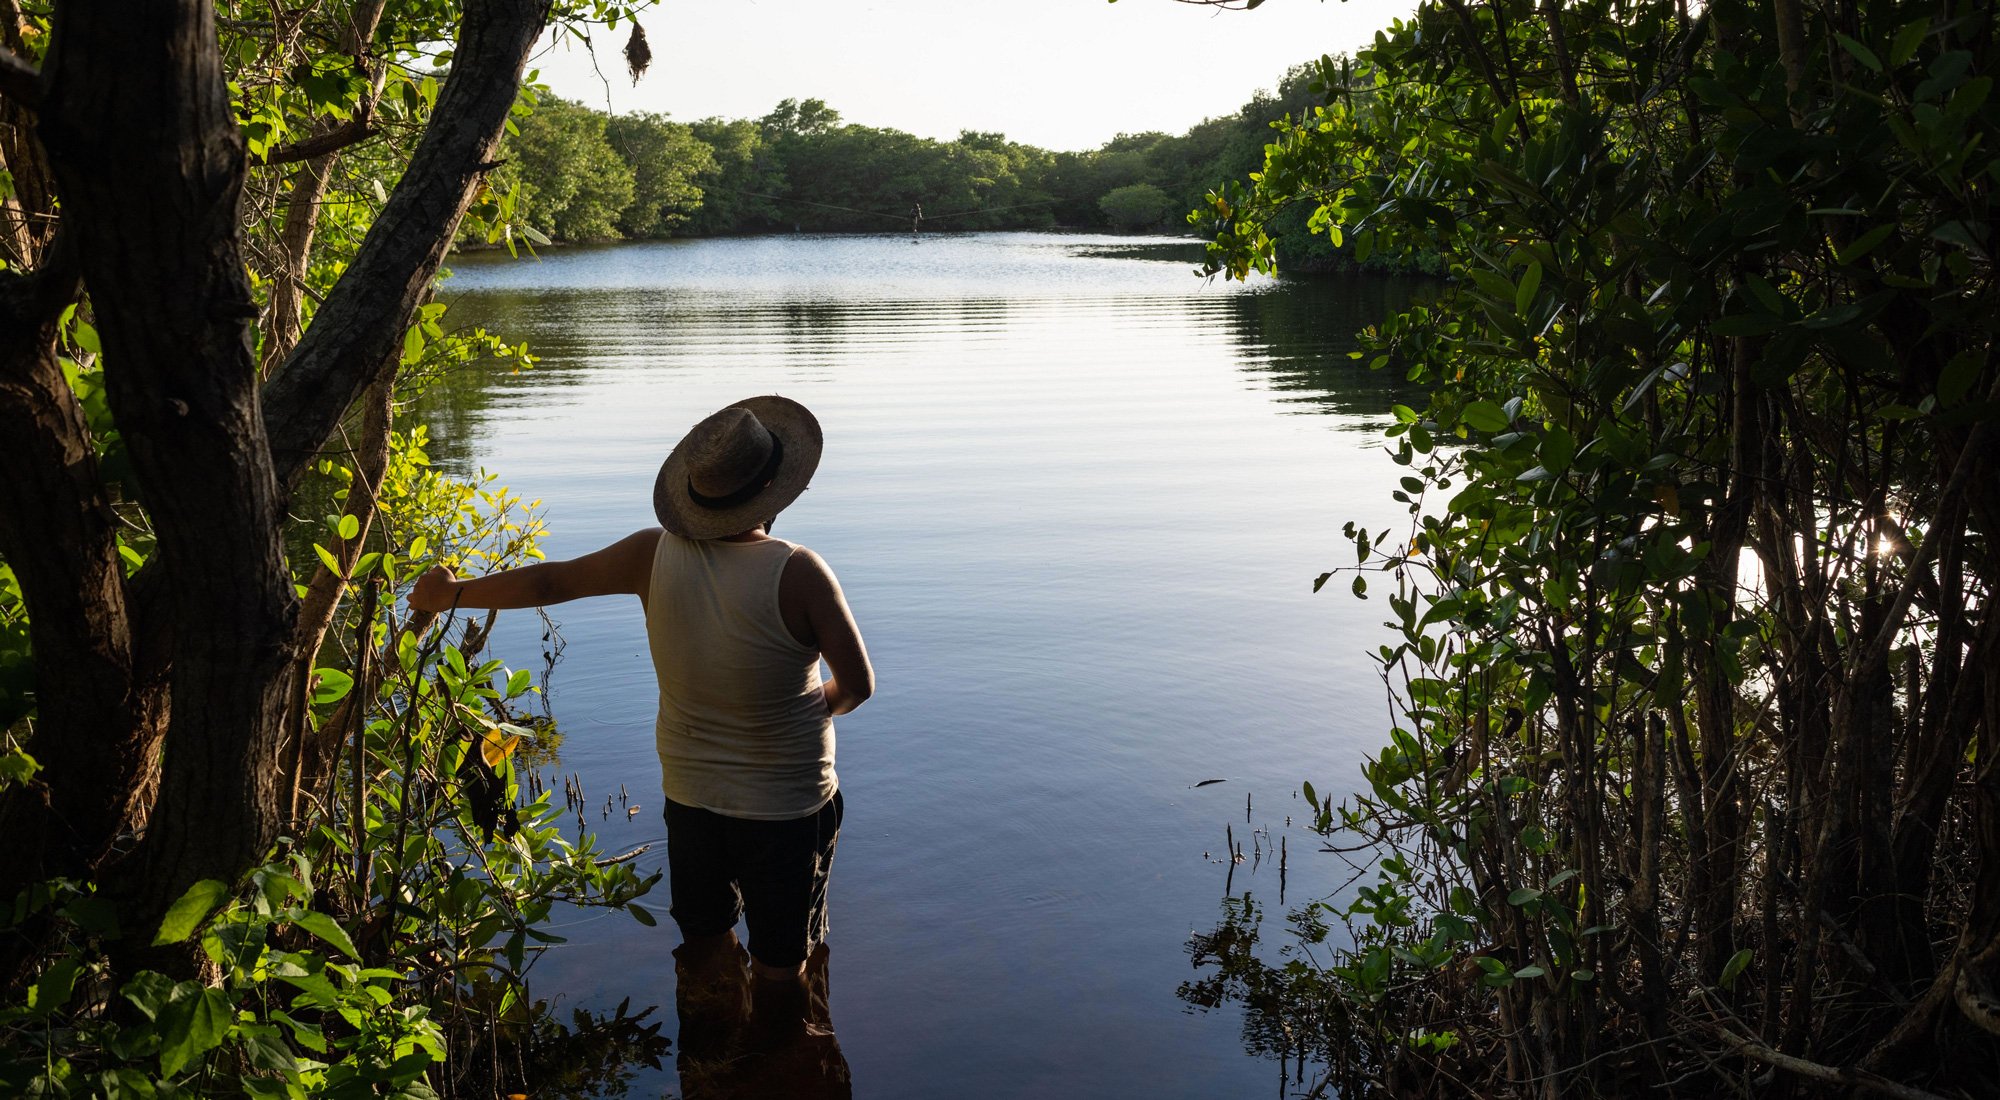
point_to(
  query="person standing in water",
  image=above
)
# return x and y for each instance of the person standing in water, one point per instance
(738, 623)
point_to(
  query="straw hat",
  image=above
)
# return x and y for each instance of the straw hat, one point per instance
(738, 468)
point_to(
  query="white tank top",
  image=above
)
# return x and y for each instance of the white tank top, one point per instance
(743, 729)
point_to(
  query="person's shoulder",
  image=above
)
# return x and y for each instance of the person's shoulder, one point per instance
(644, 542)
(805, 558)
(807, 568)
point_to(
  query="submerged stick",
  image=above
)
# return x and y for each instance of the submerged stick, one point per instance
(627, 857)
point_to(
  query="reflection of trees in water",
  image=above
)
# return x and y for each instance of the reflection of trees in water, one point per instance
(1294, 1012)
(560, 328)
(522, 1048)
(1299, 332)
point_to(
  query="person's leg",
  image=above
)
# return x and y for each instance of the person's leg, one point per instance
(704, 899)
(711, 983)
(783, 869)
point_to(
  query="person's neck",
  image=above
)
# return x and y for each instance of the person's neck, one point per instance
(755, 534)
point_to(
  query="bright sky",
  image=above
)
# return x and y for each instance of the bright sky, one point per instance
(1062, 74)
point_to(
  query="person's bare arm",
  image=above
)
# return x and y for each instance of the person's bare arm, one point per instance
(625, 566)
(809, 586)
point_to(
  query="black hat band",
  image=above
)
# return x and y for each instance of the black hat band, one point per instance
(751, 488)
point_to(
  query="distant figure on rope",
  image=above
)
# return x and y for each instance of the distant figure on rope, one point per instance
(916, 220)
(738, 622)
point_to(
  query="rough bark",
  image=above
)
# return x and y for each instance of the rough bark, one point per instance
(149, 161)
(100, 709)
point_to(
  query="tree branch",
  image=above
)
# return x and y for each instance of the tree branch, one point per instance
(1817, 1071)
(362, 322)
(100, 712)
(353, 131)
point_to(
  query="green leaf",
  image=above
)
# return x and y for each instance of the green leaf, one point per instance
(1531, 281)
(350, 526)
(193, 1023)
(328, 929)
(148, 991)
(640, 914)
(1864, 244)
(417, 547)
(533, 234)
(1861, 53)
(1958, 376)
(187, 914)
(332, 687)
(1527, 972)
(55, 986)
(1734, 967)
(94, 914)
(86, 338)
(1523, 896)
(309, 1035)
(1907, 41)
(315, 990)
(1485, 415)
(1404, 414)
(266, 1049)
(1834, 316)
(327, 559)
(1557, 449)
(18, 767)
(1493, 283)
(1360, 586)
(518, 682)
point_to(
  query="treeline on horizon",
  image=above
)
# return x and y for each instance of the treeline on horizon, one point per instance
(585, 175)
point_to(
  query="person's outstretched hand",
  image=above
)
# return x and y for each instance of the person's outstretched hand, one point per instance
(436, 590)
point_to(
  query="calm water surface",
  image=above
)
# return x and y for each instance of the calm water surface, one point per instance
(1077, 498)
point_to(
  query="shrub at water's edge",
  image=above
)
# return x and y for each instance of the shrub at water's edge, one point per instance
(1691, 785)
(375, 941)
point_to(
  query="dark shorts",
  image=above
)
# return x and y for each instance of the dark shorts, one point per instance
(772, 872)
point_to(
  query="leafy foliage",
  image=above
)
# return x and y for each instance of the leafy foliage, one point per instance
(1691, 769)
(419, 856)
(801, 167)
(575, 186)
(1135, 206)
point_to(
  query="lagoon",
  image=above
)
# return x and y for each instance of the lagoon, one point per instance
(1077, 497)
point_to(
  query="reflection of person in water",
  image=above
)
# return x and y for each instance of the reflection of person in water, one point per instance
(744, 1038)
(738, 622)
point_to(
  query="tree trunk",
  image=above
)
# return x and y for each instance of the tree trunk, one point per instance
(148, 160)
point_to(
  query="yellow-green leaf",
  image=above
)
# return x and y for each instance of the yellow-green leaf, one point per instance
(187, 914)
